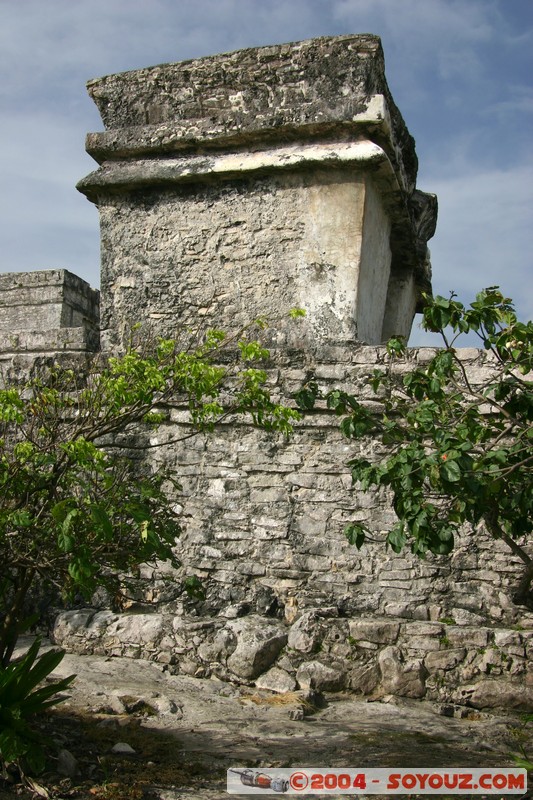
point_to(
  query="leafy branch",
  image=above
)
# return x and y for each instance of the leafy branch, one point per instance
(455, 452)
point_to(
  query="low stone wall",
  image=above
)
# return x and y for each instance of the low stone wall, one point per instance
(263, 520)
(288, 601)
(455, 665)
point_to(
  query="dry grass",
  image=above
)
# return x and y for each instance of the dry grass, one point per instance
(278, 699)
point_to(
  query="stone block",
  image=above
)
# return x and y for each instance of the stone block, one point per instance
(444, 659)
(276, 680)
(379, 631)
(47, 300)
(506, 695)
(259, 642)
(305, 634)
(320, 678)
(467, 637)
(400, 678)
(364, 679)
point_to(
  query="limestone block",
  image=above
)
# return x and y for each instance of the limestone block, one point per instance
(398, 677)
(304, 634)
(444, 659)
(498, 694)
(276, 680)
(507, 639)
(467, 636)
(377, 630)
(364, 679)
(47, 300)
(319, 677)
(307, 199)
(223, 644)
(423, 643)
(259, 642)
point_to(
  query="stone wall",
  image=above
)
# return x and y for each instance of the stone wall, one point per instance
(477, 666)
(242, 185)
(289, 602)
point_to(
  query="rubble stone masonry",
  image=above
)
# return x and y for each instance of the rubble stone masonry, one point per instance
(243, 185)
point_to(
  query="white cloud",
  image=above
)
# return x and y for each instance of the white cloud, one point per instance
(444, 30)
(519, 100)
(485, 235)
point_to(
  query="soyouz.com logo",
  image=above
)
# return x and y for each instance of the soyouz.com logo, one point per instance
(321, 780)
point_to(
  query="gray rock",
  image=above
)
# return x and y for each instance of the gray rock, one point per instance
(400, 678)
(110, 704)
(165, 705)
(259, 642)
(364, 679)
(67, 764)
(276, 680)
(497, 694)
(304, 634)
(379, 631)
(319, 677)
(123, 748)
(220, 648)
(467, 636)
(444, 659)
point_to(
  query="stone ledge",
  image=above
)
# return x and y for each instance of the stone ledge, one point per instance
(56, 340)
(265, 89)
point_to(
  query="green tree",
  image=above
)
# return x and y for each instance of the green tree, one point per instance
(456, 453)
(76, 507)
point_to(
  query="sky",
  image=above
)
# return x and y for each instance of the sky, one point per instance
(459, 70)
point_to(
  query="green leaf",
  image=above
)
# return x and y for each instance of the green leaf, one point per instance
(396, 538)
(355, 534)
(194, 587)
(307, 396)
(297, 313)
(450, 471)
(101, 518)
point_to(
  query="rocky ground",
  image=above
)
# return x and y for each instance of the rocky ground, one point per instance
(131, 730)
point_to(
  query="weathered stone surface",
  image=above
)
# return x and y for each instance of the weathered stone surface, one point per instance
(276, 680)
(258, 644)
(498, 694)
(123, 748)
(364, 679)
(268, 92)
(380, 631)
(291, 181)
(219, 730)
(398, 677)
(266, 219)
(444, 659)
(220, 648)
(473, 637)
(320, 678)
(67, 764)
(305, 634)
(46, 300)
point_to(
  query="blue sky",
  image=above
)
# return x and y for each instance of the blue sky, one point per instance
(459, 70)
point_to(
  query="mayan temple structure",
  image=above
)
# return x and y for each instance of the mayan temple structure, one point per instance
(249, 183)
(244, 185)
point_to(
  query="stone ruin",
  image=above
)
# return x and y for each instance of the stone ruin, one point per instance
(241, 185)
